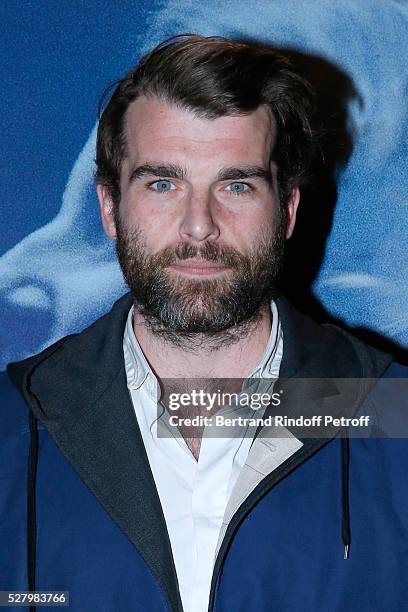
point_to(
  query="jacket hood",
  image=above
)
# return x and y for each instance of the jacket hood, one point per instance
(94, 357)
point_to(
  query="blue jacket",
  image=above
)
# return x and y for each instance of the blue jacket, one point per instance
(79, 510)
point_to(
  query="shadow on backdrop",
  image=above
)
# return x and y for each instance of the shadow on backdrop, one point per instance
(306, 249)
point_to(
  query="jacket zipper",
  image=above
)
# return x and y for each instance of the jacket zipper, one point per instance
(262, 489)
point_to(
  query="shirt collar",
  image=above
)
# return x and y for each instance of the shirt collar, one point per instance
(136, 365)
(138, 369)
(269, 364)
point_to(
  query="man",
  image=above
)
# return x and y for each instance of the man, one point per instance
(201, 152)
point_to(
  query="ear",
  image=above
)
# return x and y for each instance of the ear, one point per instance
(292, 205)
(106, 206)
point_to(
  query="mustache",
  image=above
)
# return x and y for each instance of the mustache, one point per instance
(209, 251)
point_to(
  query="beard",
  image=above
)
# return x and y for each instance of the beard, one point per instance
(187, 311)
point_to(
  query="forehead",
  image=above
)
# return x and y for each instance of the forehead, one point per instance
(157, 131)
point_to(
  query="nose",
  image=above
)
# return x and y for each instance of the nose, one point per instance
(198, 223)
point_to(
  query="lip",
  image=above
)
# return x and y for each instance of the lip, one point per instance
(198, 267)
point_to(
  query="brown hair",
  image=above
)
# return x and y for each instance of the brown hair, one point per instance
(212, 77)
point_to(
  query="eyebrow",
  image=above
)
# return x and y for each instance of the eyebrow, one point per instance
(245, 172)
(164, 170)
(178, 172)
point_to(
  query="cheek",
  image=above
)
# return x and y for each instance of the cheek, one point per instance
(242, 229)
(141, 206)
(157, 227)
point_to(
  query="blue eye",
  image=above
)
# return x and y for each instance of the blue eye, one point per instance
(162, 186)
(238, 188)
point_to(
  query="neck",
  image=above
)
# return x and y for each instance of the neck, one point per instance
(231, 354)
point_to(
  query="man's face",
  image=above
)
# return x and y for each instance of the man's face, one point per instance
(199, 228)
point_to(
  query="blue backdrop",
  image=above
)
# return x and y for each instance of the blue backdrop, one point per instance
(57, 270)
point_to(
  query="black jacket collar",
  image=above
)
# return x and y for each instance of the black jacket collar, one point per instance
(324, 351)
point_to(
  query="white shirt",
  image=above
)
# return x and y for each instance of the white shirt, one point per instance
(193, 494)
